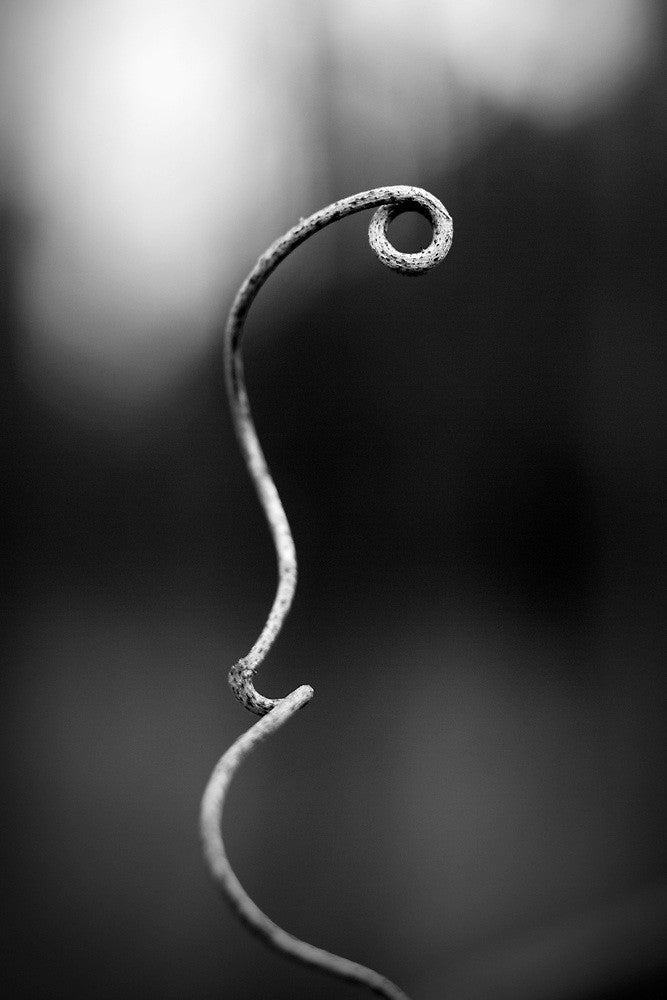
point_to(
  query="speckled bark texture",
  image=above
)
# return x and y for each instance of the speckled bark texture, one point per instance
(390, 202)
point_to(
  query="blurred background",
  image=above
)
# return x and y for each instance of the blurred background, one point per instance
(471, 462)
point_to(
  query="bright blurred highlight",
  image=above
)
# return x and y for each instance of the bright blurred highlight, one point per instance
(148, 135)
(159, 146)
(550, 59)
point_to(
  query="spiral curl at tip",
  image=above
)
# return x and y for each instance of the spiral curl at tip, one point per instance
(412, 263)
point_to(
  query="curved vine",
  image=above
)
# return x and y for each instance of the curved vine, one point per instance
(389, 202)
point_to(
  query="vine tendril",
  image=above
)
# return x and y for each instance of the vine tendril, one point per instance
(392, 201)
(389, 202)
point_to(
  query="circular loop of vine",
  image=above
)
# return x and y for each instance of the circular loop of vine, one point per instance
(412, 263)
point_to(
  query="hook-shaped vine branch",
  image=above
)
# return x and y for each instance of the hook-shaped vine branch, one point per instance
(390, 202)
(393, 201)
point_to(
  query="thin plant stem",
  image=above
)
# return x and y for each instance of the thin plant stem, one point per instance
(247, 911)
(389, 202)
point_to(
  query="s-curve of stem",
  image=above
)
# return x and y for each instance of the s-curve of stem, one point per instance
(389, 202)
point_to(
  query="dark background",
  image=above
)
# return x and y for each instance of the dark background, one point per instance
(472, 465)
